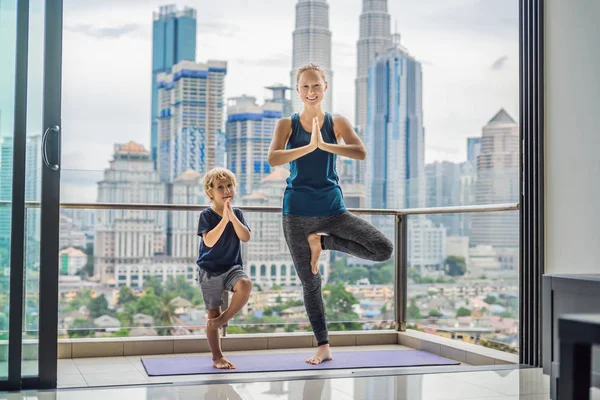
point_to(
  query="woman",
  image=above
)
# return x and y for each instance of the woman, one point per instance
(314, 215)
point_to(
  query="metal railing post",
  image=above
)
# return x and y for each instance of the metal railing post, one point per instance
(400, 267)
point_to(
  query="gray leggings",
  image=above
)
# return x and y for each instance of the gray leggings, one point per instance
(347, 233)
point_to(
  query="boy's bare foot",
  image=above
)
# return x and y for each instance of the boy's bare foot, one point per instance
(223, 363)
(323, 354)
(314, 241)
(215, 323)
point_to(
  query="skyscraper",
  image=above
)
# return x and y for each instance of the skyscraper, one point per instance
(191, 112)
(124, 238)
(173, 40)
(312, 43)
(473, 149)
(443, 189)
(6, 163)
(497, 182)
(375, 38)
(280, 96)
(249, 132)
(394, 131)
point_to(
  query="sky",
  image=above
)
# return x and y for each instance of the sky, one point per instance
(468, 50)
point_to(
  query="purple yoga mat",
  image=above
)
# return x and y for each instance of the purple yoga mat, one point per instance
(196, 365)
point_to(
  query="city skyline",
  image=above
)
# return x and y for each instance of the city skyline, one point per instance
(488, 60)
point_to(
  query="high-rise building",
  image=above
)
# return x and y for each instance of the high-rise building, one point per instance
(280, 96)
(394, 132)
(473, 149)
(498, 182)
(375, 38)
(312, 43)
(173, 41)
(426, 245)
(191, 116)
(128, 238)
(6, 173)
(443, 189)
(33, 180)
(249, 132)
(182, 240)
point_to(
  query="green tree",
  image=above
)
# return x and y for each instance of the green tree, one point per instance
(88, 268)
(463, 312)
(126, 316)
(98, 306)
(456, 266)
(126, 296)
(278, 300)
(154, 284)
(435, 313)
(339, 304)
(381, 275)
(80, 328)
(337, 270)
(357, 273)
(148, 303)
(413, 312)
(180, 287)
(276, 287)
(82, 298)
(490, 300)
(165, 312)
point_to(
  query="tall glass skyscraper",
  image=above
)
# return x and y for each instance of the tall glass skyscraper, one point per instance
(394, 131)
(173, 40)
(249, 131)
(312, 43)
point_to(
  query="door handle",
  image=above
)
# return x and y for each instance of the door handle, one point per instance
(56, 130)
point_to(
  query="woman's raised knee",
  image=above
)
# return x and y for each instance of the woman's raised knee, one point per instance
(384, 250)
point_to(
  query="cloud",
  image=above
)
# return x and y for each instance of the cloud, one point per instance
(443, 149)
(499, 63)
(273, 61)
(104, 32)
(217, 28)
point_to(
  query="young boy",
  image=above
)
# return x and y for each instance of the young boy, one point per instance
(222, 228)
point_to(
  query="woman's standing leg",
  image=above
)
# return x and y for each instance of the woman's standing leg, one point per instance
(296, 229)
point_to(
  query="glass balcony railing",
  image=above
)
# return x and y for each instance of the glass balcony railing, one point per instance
(128, 270)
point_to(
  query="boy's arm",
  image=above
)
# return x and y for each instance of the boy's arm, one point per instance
(212, 237)
(241, 230)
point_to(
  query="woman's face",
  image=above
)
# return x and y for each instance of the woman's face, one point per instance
(311, 88)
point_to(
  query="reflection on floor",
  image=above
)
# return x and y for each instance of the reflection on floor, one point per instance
(506, 384)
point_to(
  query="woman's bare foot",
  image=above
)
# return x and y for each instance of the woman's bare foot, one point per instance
(216, 323)
(323, 354)
(223, 363)
(314, 241)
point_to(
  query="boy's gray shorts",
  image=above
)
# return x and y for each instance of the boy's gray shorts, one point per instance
(213, 286)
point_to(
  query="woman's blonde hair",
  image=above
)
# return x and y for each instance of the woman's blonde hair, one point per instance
(310, 67)
(215, 175)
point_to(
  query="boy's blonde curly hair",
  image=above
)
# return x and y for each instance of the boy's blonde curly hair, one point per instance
(215, 175)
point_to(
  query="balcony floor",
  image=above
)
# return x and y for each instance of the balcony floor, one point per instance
(501, 384)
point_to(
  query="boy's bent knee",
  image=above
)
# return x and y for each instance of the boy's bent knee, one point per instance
(214, 313)
(243, 285)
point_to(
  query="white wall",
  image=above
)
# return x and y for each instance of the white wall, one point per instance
(572, 135)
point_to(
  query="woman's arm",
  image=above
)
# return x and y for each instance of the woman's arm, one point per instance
(353, 147)
(278, 155)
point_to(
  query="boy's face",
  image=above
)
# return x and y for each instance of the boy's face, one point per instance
(221, 191)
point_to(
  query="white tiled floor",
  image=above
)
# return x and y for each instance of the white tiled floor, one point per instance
(107, 374)
(516, 384)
